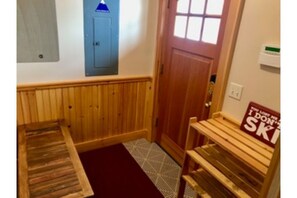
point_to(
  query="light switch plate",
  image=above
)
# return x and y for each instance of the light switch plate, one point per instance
(235, 91)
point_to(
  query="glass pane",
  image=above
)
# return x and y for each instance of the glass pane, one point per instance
(215, 7)
(180, 26)
(194, 28)
(182, 6)
(211, 30)
(197, 6)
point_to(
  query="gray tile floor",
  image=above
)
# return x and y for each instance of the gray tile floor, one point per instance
(159, 166)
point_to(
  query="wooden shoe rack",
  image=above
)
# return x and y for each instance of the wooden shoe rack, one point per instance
(230, 163)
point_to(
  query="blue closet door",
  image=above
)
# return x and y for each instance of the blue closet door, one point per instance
(101, 36)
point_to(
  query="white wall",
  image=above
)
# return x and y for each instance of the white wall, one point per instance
(260, 24)
(138, 23)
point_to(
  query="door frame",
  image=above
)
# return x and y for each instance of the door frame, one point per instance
(225, 60)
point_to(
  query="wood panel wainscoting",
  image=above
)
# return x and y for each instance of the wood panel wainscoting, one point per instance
(97, 112)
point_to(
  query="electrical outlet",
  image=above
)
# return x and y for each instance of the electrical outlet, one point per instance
(235, 91)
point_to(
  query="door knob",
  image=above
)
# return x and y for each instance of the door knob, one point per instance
(208, 104)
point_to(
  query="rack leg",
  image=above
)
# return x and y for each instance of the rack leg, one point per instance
(182, 182)
(181, 189)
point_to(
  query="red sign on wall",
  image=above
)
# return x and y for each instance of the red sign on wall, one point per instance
(261, 123)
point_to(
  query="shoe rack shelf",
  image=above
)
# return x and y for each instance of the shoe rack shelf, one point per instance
(230, 163)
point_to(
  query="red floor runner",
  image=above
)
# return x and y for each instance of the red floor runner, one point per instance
(113, 173)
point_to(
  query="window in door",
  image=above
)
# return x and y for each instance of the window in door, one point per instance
(198, 20)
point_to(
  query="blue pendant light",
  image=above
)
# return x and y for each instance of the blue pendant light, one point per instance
(102, 7)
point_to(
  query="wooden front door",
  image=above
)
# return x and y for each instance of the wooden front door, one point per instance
(194, 39)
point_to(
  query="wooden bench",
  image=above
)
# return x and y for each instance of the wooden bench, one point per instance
(48, 163)
(230, 164)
